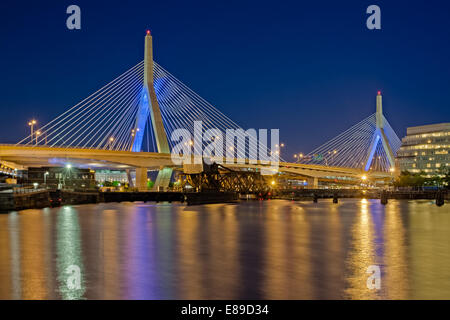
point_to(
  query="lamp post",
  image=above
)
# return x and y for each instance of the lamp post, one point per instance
(278, 149)
(68, 167)
(31, 124)
(37, 135)
(45, 178)
(392, 170)
(364, 178)
(111, 140)
(330, 155)
(298, 157)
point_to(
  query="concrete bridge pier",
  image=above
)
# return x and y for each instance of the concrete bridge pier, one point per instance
(141, 179)
(163, 179)
(313, 183)
(130, 179)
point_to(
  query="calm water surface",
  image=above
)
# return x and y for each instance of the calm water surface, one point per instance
(253, 250)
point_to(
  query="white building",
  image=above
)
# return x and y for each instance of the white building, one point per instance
(111, 175)
(425, 148)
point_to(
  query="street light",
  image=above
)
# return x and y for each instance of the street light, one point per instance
(111, 140)
(298, 156)
(31, 124)
(45, 178)
(278, 149)
(363, 180)
(392, 170)
(37, 135)
(330, 154)
(68, 167)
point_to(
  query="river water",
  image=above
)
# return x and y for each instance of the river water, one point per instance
(274, 249)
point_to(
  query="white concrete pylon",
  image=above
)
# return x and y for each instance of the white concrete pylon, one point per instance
(379, 135)
(150, 106)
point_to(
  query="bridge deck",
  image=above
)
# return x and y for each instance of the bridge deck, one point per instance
(29, 156)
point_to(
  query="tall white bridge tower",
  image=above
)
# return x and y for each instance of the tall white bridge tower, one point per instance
(149, 106)
(378, 135)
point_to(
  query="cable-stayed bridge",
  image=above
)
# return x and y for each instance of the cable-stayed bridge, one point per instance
(127, 124)
(370, 144)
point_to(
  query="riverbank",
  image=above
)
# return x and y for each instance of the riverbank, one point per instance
(36, 199)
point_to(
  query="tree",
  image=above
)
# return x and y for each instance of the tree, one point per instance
(420, 179)
(409, 179)
(445, 177)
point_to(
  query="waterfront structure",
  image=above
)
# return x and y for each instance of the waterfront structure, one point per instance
(111, 176)
(425, 149)
(7, 171)
(58, 177)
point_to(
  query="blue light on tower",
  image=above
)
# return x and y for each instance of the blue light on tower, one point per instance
(142, 116)
(372, 152)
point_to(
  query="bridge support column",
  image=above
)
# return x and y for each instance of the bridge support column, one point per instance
(313, 182)
(141, 179)
(150, 105)
(163, 178)
(130, 180)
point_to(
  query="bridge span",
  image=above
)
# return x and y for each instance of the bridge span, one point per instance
(24, 156)
(146, 104)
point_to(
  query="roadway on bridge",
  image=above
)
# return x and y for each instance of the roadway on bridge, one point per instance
(39, 156)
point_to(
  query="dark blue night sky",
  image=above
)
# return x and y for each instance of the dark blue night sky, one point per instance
(309, 68)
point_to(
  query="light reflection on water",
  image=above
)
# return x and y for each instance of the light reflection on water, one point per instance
(254, 250)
